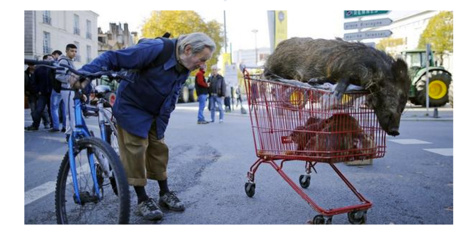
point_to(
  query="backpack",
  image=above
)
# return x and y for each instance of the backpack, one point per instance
(165, 54)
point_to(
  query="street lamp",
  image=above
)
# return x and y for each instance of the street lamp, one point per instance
(255, 31)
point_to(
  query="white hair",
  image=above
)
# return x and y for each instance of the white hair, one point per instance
(198, 42)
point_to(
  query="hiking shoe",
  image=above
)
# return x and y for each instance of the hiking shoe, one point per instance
(63, 129)
(171, 201)
(31, 128)
(149, 210)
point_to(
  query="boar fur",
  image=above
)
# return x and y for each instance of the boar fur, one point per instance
(337, 61)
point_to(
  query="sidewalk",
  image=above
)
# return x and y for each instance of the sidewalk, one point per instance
(416, 113)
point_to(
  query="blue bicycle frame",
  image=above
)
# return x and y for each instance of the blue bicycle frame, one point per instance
(80, 131)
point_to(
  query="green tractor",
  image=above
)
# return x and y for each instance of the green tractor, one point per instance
(439, 80)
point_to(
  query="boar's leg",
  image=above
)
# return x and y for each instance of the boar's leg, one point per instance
(341, 87)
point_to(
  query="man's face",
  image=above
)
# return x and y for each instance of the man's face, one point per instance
(71, 53)
(214, 72)
(194, 61)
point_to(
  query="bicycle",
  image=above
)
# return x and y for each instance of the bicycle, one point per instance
(101, 107)
(89, 167)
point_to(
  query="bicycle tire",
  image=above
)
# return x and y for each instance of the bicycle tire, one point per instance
(112, 208)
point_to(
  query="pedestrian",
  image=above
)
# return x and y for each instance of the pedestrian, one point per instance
(67, 94)
(239, 95)
(227, 99)
(56, 54)
(57, 109)
(217, 92)
(43, 87)
(158, 69)
(201, 87)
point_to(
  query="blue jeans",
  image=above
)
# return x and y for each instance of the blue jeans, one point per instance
(202, 100)
(213, 101)
(55, 102)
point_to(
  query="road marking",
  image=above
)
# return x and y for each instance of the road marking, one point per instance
(448, 152)
(49, 187)
(409, 141)
(39, 192)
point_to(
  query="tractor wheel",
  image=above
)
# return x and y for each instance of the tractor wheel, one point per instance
(438, 88)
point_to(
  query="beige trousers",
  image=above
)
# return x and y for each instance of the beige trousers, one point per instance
(143, 158)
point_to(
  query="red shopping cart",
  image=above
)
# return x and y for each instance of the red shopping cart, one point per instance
(294, 121)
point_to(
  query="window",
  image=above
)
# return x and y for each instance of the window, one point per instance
(77, 31)
(89, 54)
(46, 18)
(78, 56)
(46, 43)
(89, 29)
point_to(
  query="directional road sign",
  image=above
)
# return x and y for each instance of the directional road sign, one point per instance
(357, 13)
(367, 24)
(367, 35)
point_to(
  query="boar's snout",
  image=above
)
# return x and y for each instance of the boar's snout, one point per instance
(393, 132)
(389, 122)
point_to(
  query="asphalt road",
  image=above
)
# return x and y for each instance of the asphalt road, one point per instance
(412, 184)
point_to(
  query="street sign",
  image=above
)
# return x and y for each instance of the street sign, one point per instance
(353, 13)
(367, 35)
(367, 24)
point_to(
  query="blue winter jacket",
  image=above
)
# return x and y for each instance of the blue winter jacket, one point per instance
(154, 92)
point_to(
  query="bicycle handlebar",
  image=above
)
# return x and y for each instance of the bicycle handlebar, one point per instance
(112, 75)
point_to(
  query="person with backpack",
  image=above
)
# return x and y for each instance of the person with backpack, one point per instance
(157, 70)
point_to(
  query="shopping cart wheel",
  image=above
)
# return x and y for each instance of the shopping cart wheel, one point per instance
(250, 189)
(304, 181)
(357, 217)
(318, 219)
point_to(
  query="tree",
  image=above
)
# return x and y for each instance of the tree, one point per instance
(183, 22)
(439, 33)
(386, 44)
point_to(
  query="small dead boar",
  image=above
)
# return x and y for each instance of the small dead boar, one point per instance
(337, 61)
(339, 135)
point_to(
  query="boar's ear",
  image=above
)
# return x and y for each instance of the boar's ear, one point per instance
(399, 69)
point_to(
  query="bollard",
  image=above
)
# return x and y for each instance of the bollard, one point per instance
(435, 113)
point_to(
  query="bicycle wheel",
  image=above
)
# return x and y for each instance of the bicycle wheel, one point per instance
(110, 208)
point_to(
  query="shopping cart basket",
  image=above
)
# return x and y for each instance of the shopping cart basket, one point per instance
(294, 121)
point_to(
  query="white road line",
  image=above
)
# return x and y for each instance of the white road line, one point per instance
(49, 187)
(442, 151)
(409, 141)
(39, 192)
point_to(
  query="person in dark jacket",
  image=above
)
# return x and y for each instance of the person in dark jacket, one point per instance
(217, 92)
(143, 107)
(42, 87)
(201, 87)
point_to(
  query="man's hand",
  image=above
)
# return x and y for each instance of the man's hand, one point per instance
(75, 83)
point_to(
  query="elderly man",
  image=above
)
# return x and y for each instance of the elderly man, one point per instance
(159, 67)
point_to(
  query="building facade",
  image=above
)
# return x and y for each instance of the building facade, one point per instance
(115, 38)
(251, 57)
(46, 31)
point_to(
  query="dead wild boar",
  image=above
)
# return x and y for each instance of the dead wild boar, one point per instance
(339, 135)
(337, 61)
